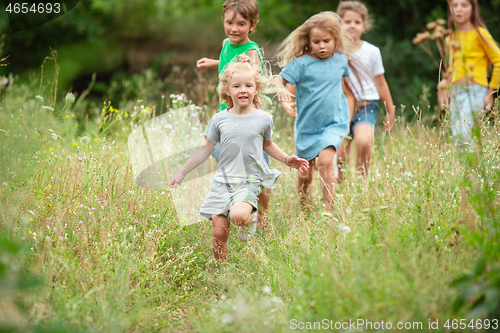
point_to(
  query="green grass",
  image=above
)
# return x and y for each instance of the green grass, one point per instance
(112, 257)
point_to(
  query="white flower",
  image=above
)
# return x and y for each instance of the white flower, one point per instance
(266, 290)
(39, 97)
(346, 229)
(54, 135)
(47, 107)
(70, 98)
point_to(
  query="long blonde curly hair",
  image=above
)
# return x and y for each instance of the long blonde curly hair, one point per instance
(263, 80)
(297, 43)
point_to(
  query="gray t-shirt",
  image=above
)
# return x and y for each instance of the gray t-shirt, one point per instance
(241, 139)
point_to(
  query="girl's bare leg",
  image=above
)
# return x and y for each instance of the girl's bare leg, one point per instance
(304, 181)
(263, 205)
(342, 155)
(328, 181)
(220, 235)
(364, 145)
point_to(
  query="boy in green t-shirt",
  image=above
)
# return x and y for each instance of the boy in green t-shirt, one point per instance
(240, 18)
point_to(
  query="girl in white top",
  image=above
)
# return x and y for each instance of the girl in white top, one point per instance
(368, 85)
(244, 131)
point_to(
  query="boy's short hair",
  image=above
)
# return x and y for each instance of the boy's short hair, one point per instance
(248, 9)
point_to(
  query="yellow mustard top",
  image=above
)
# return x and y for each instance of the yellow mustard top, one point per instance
(471, 59)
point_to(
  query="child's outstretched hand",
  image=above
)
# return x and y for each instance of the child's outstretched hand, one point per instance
(205, 63)
(290, 108)
(176, 181)
(297, 163)
(285, 96)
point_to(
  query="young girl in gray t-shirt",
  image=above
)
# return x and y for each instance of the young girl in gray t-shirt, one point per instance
(243, 132)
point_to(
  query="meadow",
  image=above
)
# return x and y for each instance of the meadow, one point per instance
(84, 249)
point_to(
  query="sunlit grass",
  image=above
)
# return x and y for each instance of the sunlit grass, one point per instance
(113, 258)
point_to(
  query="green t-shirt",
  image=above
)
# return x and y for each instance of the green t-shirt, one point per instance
(229, 51)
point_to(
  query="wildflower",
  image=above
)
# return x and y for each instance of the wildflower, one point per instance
(47, 107)
(421, 37)
(431, 25)
(266, 290)
(441, 21)
(39, 97)
(346, 229)
(70, 98)
(436, 35)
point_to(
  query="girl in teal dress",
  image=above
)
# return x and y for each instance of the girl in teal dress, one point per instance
(314, 61)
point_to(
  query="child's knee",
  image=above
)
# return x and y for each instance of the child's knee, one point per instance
(364, 143)
(220, 234)
(239, 217)
(323, 164)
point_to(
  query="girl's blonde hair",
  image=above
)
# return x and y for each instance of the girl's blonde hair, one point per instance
(297, 43)
(357, 7)
(263, 81)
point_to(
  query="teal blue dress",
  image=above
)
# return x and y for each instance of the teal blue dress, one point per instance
(322, 109)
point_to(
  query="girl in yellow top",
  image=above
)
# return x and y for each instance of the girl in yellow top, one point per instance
(472, 49)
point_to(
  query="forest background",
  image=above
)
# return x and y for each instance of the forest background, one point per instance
(122, 41)
(84, 249)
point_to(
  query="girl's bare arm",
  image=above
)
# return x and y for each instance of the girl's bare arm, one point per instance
(290, 106)
(292, 161)
(351, 100)
(386, 99)
(255, 57)
(194, 161)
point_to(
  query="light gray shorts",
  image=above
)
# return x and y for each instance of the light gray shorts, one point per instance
(222, 196)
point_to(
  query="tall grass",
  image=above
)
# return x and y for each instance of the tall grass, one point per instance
(114, 259)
